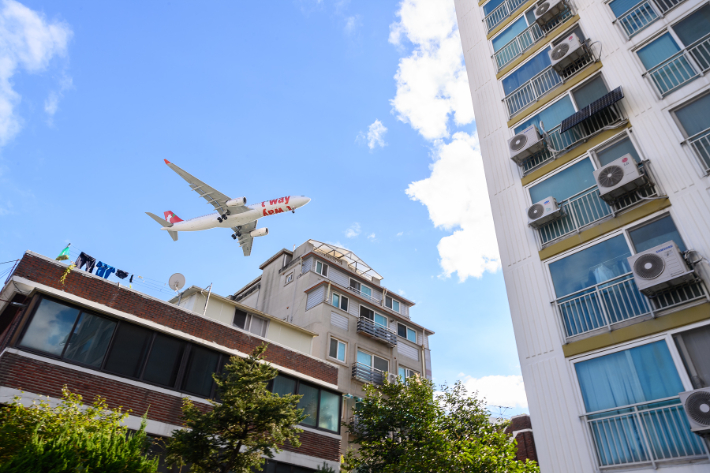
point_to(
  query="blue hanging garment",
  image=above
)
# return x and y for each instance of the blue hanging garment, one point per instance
(103, 270)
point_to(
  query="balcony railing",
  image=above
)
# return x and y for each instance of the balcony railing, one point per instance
(501, 12)
(643, 14)
(527, 39)
(614, 301)
(376, 331)
(578, 211)
(701, 147)
(365, 295)
(643, 433)
(682, 67)
(367, 374)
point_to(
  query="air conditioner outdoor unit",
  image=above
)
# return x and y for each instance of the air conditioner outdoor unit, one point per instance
(543, 211)
(659, 268)
(547, 9)
(697, 407)
(565, 53)
(525, 144)
(618, 178)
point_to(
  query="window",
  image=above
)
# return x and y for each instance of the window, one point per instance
(201, 364)
(566, 183)
(405, 373)
(527, 71)
(694, 348)
(250, 322)
(656, 233)
(490, 6)
(372, 315)
(551, 117)
(340, 301)
(322, 268)
(589, 92)
(406, 332)
(658, 51)
(360, 288)
(372, 361)
(617, 150)
(164, 360)
(337, 350)
(321, 406)
(392, 304)
(509, 33)
(289, 278)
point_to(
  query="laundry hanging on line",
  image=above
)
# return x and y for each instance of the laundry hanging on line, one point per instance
(103, 270)
(121, 274)
(64, 255)
(87, 260)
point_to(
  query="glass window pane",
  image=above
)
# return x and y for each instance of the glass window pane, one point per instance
(380, 363)
(200, 368)
(551, 116)
(527, 71)
(367, 313)
(284, 385)
(366, 290)
(616, 151)
(402, 373)
(509, 33)
(388, 302)
(379, 319)
(658, 51)
(364, 358)
(589, 92)
(336, 300)
(50, 327)
(640, 374)
(258, 326)
(566, 183)
(402, 330)
(309, 403)
(240, 318)
(694, 348)
(344, 303)
(89, 342)
(333, 352)
(656, 233)
(530, 16)
(319, 267)
(395, 306)
(341, 351)
(594, 265)
(411, 335)
(164, 360)
(328, 417)
(695, 117)
(128, 350)
(490, 6)
(694, 27)
(619, 7)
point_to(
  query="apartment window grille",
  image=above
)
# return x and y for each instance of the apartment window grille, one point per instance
(633, 413)
(680, 55)
(392, 304)
(340, 301)
(250, 322)
(321, 406)
(694, 348)
(694, 122)
(322, 268)
(337, 349)
(406, 332)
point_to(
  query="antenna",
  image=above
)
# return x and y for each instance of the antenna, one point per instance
(501, 410)
(176, 282)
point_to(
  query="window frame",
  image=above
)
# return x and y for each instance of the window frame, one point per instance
(289, 278)
(298, 381)
(345, 353)
(408, 329)
(510, 23)
(324, 268)
(248, 322)
(392, 302)
(407, 370)
(340, 297)
(372, 359)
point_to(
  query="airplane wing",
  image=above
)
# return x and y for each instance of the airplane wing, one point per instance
(245, 241)
(211, 195)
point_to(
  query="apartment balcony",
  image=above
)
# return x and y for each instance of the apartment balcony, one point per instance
(366, 296)
(544, 82)
(367, 374)
(700, 143)
(527, 39)
(682, 67)
(615, 303)
(646, 433)
(643, 14)
(502, 12)
(370, 329)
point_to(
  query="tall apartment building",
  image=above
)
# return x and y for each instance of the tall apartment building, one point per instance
(594, 125)
(100, 337)
(362, 328)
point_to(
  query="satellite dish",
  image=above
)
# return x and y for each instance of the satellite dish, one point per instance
(176, 282)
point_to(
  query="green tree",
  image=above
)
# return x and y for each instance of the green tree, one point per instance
(246, 425)
(407, 427)
(70, 438)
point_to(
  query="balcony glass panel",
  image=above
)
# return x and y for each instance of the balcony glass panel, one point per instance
(565, 183)
(696, 123)
(590, 92)
(509, 33)
(551, 116)
(527, 71)
(694, 348)
(656, 233)
(496, 14)
(490, 6)
(695, 27)
(616, 151)
(658, 51)
(633, 16)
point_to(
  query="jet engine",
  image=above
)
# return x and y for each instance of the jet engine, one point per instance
(237, 202)
(259, 232)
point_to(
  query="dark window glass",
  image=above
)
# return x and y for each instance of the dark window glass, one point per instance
(164, 360)
(388, 302)
(490, 6)
(329, 411)
(89, 342)
(658, 51)
(590, 92)
(694, 348)
(128, 350)
(333, 348)
(282, 468)
(551, 116)
(566, 183)
(527, 71)
(619, 7)
(240, 318)
(617, 150)
(381, 364)
(694, 117)
(50, 327)
(367, 313)
(656, 233)
(354, 284)
(309, 403)
(509, 33)
(344, 303)
(402, 330)
(694, 27)
(283, 386)
(200, 367)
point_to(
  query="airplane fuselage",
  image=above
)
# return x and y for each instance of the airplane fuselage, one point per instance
(254, 212)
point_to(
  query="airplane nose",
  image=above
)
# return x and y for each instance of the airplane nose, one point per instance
(301, 200)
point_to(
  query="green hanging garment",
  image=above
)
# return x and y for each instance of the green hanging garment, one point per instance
(64, 255)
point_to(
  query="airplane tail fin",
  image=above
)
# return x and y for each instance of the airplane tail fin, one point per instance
(171, 217)
(164, 223)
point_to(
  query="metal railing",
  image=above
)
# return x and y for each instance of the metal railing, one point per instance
(527, 39)
(700, 143)
(364, 295)
(684, 66)
(688, 292)
(578, 211)
(646, 432)
(367, 374)
(638, 18)
(377, 331)
(501, 13)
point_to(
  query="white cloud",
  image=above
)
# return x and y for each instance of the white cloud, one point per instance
(375, 135)
(27, 42)
(401, 292)
(352, 23)
(353, 231)
(371, 236)
(431, 82)
(456, 196)
(400, 234)
(499, 390)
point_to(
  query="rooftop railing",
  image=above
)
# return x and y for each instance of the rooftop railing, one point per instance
(700, 143)
(501, 12)
(681, 68)
(368, 374)
(376, 331)
(643, 433)
(617, 300)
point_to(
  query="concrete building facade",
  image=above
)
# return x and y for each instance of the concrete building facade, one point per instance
(363, 328)
(594, 129)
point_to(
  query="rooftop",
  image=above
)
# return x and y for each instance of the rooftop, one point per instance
(353, 262)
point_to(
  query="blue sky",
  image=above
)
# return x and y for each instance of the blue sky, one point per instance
(362, 106)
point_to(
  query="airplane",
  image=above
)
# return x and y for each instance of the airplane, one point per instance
(231, 213)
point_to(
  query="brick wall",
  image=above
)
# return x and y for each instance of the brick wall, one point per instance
(104, 292)
(47, 379)
(526, 441)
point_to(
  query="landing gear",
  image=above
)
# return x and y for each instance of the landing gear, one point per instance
(224, 216)
(234, 236)
(219, 219)
(293, 211)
